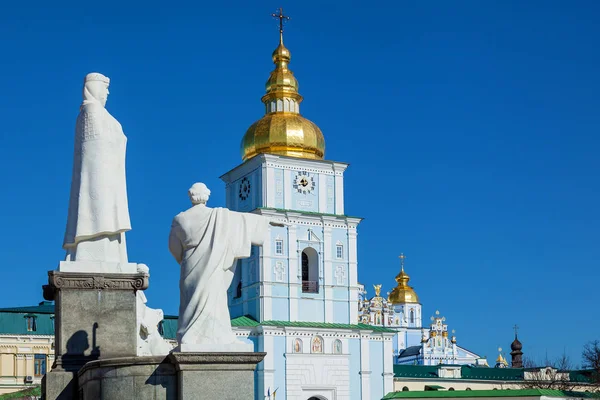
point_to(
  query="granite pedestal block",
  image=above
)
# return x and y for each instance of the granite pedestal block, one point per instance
(132, 378)
(95, 318)
(215, 376)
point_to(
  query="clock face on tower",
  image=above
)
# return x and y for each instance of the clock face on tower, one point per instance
(304, 182)
(244, 188)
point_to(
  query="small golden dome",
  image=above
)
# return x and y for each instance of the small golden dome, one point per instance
(403, 293)
(433, 334)
(445, 334)
(283, 130)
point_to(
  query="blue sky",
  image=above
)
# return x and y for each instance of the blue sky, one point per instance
(471, 128)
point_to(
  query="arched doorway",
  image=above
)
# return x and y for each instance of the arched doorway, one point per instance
(310, 270)
(317, 398)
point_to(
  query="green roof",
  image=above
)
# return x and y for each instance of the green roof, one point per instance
(487, 393)
(45, 307)
(244, 321)
(585, 376)
(247, 321)
(12, 320)
(466, 372)
(486, 373)
(415, 371)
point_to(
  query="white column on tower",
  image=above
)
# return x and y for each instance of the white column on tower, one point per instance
(287, 190)
(365, 368)
(265, 279)
(292, 273)
(353, 273)
(328, 278)
(322, 193)
(269, 184)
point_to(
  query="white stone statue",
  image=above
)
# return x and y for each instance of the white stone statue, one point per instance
(150, 342)
(206, 242)
(98, 214)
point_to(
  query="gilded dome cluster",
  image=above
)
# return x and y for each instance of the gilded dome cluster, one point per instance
(283, 130)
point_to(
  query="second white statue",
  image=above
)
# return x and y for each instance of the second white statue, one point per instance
(206, 242)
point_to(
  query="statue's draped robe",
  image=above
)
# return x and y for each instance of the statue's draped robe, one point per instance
(206, 242)
(98, 211)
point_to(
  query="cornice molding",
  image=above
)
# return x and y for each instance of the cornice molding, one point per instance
(93, 281)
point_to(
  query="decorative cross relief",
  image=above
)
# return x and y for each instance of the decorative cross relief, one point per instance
(279, 272)
(340, 274)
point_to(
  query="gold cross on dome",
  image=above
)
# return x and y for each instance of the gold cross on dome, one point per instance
(402, 257)
(282, 19)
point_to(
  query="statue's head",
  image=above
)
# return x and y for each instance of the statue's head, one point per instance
(95, 85)
(199, 193)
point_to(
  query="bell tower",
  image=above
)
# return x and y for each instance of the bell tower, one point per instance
(306, 271)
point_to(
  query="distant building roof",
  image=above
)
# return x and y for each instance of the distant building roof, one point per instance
(410, 351)
(45, 307)
(12, 320)
(488, 393)
(466, 372)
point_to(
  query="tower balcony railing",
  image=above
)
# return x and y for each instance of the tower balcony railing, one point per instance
(310, 287)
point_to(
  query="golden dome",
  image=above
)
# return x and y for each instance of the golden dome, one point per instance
(403, 293)
(283, 130)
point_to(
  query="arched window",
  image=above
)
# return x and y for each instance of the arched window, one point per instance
(451, 388)
(316, 345)
(297, 345)
(405, 389)
(310, 270)
(412, 316)
(337, 346)
(468, 388)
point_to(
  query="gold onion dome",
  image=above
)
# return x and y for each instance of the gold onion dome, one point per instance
(403, 293)
(283, 130)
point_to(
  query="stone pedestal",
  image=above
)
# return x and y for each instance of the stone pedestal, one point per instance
(218, 376)
(95, 318)
(132, 378)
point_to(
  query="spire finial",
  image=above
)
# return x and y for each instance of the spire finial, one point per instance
(402, 257)
(282, 20)
(516, 328)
